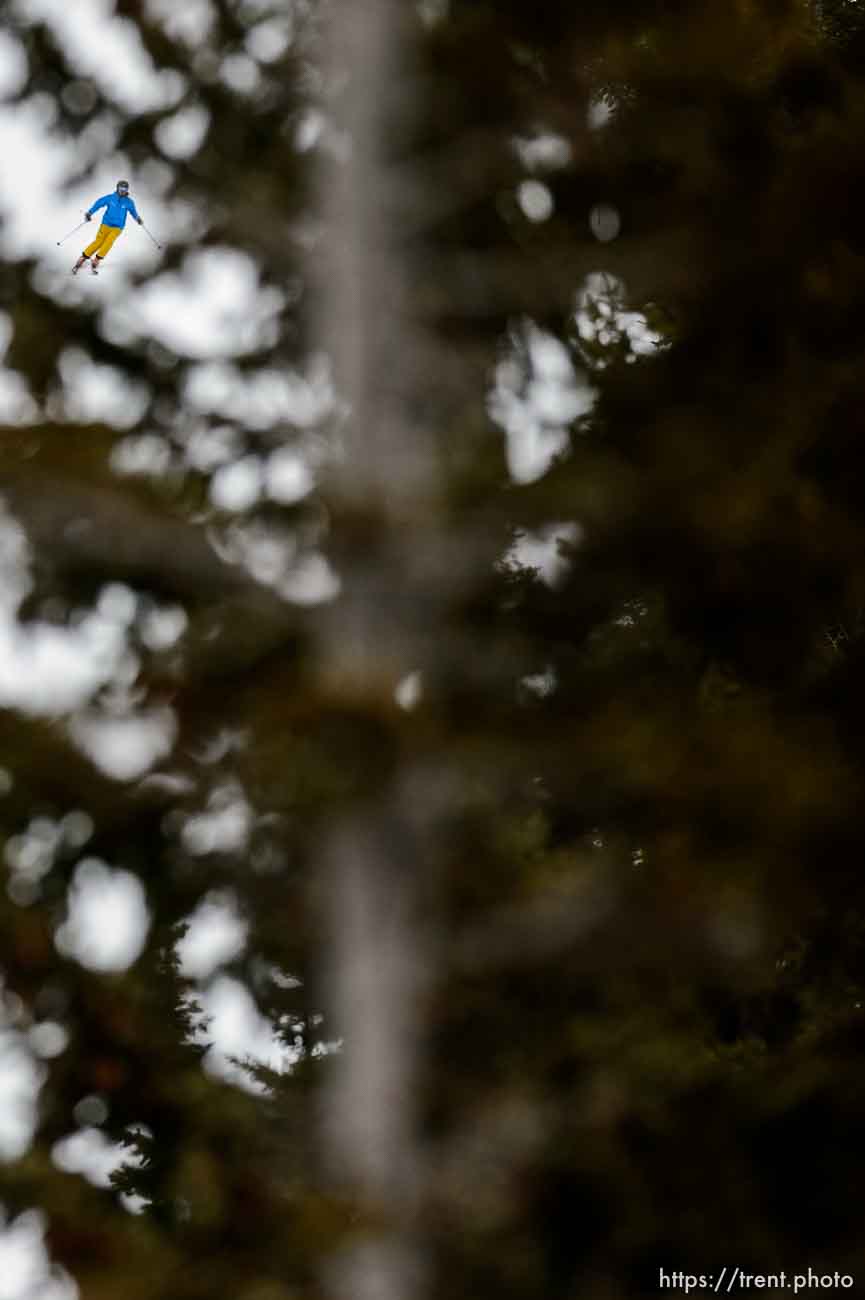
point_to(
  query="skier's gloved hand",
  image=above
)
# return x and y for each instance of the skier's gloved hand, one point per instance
(88, 216)
(139, 220)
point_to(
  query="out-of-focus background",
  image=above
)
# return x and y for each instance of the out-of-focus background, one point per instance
(432, 600)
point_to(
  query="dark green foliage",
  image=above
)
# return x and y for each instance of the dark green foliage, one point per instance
(642, 1047)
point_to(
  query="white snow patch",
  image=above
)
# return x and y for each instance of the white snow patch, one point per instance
(117, 61)
(16, 403)
(190, 22)
(544, 151)
(183, 134)
(20, 1080)
(48, 1039)
(118, 604)
(209, 447)
(237, 1029)
(13, 65)
(90, 1153)
(263, 399)
(238, 486)
(97, 394)
(312, 582)
(541, 684)
(31, 854)
(269, 40)
(312, 126)
(108, 919)
(537, 393)
(543, 551)
(599, 112)
(125, 747)
(43, 161)
(162, 626)
(287, 476)
(265, 552)
(409, 691)
(535, 200)
(217, 934)
(26, 1272)
(602, 317)
(45, 669)
(215, 308)
(224, 827)
(241, 73)
(148, 455)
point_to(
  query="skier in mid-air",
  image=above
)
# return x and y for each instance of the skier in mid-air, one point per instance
(116, 206)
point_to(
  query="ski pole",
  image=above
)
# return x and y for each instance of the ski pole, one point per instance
(156, 241)
(71, 233)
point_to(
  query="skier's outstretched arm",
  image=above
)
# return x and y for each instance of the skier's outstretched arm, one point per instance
(134, 211)
(100, 203)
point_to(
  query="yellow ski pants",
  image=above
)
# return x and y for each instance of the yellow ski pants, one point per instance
(105, 237)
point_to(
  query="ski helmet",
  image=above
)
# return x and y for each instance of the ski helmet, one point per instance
(123, 187)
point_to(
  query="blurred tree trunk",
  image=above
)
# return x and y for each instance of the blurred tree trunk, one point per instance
(383, 496)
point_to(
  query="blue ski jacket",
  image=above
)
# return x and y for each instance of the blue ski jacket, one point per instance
(116, 209)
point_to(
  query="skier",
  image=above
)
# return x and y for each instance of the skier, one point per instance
(116, 206)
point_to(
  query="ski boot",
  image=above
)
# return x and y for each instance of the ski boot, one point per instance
(94, 265)
(78, 265)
